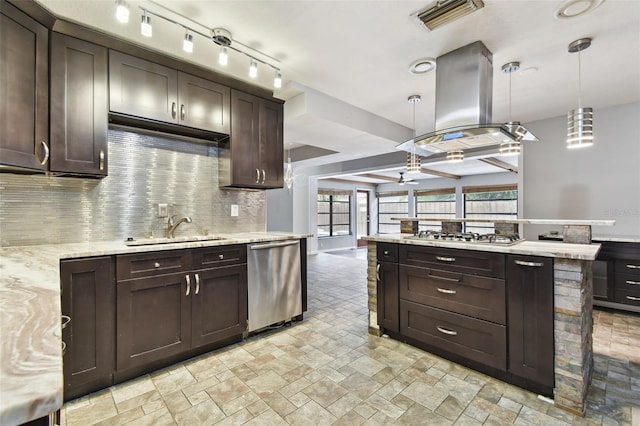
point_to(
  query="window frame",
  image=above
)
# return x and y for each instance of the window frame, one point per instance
(331, 213)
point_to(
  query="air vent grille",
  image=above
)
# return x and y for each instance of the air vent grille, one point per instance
(446, 11)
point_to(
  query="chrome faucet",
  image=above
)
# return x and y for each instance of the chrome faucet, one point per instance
(172, 225)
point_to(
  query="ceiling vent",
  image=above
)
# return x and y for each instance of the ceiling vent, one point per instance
(445, 11)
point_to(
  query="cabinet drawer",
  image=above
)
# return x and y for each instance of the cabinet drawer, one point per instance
(153, 263)
(628, 267)
(466, 261)
(628, 297)
(213, 257)
(474, 339)
(476, 296)
(627, 282)
(387, 252)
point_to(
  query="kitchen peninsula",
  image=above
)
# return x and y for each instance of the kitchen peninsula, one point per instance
(30, 326)
(521, 312)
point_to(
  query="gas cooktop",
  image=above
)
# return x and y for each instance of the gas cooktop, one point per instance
(468, 237)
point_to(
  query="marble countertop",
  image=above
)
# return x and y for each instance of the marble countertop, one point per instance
(593, 222)
(30, 323)
(530, 248)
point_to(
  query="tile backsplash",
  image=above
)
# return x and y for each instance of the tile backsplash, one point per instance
(144, 170)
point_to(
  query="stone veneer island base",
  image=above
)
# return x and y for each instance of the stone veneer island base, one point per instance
(573, 320)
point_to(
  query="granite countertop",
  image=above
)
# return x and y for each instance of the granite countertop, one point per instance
(30, 323)
(598, 238)
(590, 222)
(530, 248)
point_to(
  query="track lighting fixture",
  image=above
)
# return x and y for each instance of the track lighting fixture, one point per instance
(579, 120)
(219, 36)
(145, 27)
(122, 11)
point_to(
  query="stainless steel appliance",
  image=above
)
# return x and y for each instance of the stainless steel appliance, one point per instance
(469, 237)
(275, 285)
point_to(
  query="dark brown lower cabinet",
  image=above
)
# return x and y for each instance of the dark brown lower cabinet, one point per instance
(388, 298)
(153, 319)
(530, 320)
(88, 298)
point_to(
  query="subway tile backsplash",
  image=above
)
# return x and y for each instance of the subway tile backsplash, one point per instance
(144, 170)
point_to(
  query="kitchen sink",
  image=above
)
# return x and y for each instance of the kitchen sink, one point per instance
(164, 240)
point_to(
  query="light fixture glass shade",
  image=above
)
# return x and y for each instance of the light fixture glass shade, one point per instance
(187, 43)
(413, 163)
(288, 174)
(223, 57)
(253, 69)
(145, 27)
(580, 128)
(122, 11)
(455, 156)
(277, 80)
(509, 148)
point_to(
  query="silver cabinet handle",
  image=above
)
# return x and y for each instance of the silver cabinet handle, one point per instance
(46, 153)
(64, 348)
(446, 291)
(386, 252)
(264, 176)
(181, 111)
(197, 283)
(66, 319)
(447, 331)
(102, 159)
(188, 279)
(173, 110)
(633, 282)
(633, 298)
(156, 265)
(221, 256)
(445, 259)
(630, 266)
(257, 175)
(378, 272)
(523, 263)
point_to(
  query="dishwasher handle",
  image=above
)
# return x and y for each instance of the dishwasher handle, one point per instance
(273, 245)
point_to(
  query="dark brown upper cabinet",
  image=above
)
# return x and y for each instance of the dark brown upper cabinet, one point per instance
(151, 91)
(253, 157)
(24, 91)
(79, 108)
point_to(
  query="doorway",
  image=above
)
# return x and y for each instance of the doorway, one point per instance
(363, 216)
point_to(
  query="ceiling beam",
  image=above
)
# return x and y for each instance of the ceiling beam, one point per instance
(380, 177)
(357, 182)
(438, 173)
(500, 164)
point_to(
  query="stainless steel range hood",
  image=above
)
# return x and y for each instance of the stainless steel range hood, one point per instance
(464, 91)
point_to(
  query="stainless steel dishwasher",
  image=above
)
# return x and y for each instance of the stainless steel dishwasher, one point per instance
(275, 284)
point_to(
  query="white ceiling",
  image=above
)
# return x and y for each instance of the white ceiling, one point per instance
(345, 62)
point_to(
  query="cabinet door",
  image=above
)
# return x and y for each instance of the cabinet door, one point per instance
(142, 89)
(388, 296)
(245, 155)
(88, 298)
(203, 104)
(153, 319)
(271, 148)
(530, 318)
(78, 106)
(24, 90)
(219, 304)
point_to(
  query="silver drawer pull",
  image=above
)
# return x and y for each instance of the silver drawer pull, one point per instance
(264, 176)
(188, 279)
(630, 266)
(446, 291)
(156, 265)
(197, 283)
(221, 256)
(445, 259)
(386, 252)
(101, 159)
(64, 348)
(635, 299)
(378, 272)
(173, 109)
(633, 282)
(523, 263)
(447, 331)
(46, 153)
(66, 319)
(257, 175)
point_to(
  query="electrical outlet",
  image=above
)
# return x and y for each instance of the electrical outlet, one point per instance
(163, 210)
(234, 210)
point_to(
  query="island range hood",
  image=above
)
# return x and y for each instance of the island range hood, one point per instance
(464, 86)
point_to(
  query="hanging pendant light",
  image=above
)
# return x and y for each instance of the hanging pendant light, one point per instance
(509, 147)
(413, 159)
(288, 174)
(579, 120)
(455, 156)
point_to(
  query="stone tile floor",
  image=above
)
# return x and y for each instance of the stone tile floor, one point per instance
(328, 370)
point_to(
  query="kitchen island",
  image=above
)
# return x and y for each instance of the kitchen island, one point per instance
(30, 318)
(486, 266)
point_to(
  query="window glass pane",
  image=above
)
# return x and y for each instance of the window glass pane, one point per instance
(388, 207)
(489, 205)
(334, 216)
(438, 205)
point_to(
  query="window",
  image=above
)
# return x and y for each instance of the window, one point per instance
(435, 203)
(489, 202)
(391, 204)
(334, 213)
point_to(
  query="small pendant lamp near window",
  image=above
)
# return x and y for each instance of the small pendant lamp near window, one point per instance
(579, 120)
(413, 159)
(288, 174)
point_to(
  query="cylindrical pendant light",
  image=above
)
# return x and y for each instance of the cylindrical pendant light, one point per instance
(579, 120)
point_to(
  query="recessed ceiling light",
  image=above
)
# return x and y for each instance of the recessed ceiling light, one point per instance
(422, 66)
(575, 8)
